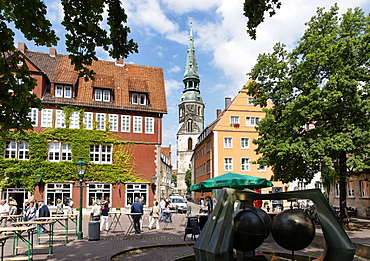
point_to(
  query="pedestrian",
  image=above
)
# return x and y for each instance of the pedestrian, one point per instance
(4, 212)
(162, 204)
(59, 206)
(104, 216)
(137, 208)
(155, 216)
(71, 206)
(167, 212)
(202, 203)
(31, 211)
(43, 212)
(209, 204)
(95, 212)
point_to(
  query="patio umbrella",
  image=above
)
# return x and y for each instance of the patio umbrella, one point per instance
(231, 180)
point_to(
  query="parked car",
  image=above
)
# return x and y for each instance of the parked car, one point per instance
(178, 202)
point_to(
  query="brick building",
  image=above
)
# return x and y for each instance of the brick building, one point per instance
(113, 121)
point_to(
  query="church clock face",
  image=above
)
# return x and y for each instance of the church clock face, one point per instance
(189, 108)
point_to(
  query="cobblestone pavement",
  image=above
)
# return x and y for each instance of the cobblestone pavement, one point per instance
(166, 245)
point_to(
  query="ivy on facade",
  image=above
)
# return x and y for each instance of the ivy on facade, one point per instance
(21, 173)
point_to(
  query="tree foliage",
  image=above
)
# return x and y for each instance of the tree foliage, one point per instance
(83, 22)
(320, 90)
(188, 178)
(255, 11)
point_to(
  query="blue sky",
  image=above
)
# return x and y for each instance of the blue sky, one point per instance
(224, 51)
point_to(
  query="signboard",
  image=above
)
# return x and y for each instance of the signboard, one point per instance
(194, 225)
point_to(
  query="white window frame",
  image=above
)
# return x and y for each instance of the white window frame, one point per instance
(262, 169)
(142, 99)
(350, 189)
(228, 164)
(74, 120)
(88, 120)
(97, 191)
(59, 151)
(138, 124)
(234, 120)
(244, 143)
(34, 116)
(252, 121)
(245, 164)
(46, 118)
(63, 91)
(17, 150)
(59, 91)
(56, 191)
(113, 122)
(101, 154)
(251, 101)
(136, 190)
(98, 95)
(60, 119)
(336, 190)
(228, 142)
(365, 188)
(149, 125)
(106, 96)
(101, 121)
(125, 123)
(135, 98)
(67, 92)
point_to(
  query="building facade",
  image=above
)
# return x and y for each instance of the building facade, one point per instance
(226, 145)
(114, 121)
(191, 116)
(166, 172)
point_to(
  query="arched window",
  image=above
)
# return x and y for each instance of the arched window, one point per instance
(190, 144)
(190, 126)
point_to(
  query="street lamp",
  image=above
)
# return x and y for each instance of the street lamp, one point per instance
(81, 168)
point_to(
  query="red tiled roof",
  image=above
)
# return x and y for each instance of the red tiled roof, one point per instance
(121, 79)
(166, 151)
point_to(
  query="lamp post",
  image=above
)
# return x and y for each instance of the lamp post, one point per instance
(81, 168)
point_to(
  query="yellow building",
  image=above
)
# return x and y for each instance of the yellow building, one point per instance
(226, 145)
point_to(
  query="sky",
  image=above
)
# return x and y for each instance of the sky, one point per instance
(224, 51)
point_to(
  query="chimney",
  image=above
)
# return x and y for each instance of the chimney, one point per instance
(22, 47)
(227, 102)
(218, 111)
(52, 52)
(120, 62)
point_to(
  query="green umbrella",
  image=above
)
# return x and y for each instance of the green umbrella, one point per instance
(231, 180)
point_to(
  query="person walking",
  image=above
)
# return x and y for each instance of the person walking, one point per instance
(104, 216)
(162, 205)
(167, 212)
(155, 216)
(137, 208)
(71, 205)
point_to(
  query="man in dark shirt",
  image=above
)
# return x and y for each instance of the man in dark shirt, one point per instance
(137, 207)
(43, 209)
(209, 204)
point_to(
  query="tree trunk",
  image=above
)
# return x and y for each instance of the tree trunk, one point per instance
(342, 186)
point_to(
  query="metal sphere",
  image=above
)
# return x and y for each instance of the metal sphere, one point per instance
(293, 229)
(249, 230)
(266, 218)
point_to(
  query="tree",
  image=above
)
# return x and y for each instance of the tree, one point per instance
(82, 21)
(188, 178)
(322, 83)
(255, 11)
(174, 180)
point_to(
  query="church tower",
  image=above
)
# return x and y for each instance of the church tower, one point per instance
(191, 115)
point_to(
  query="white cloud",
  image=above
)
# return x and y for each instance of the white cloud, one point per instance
(181, 7)
(174, 69)
(172, 86)
(55, 12)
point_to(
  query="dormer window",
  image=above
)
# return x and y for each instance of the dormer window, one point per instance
(63, 91)
(102, 95)
(139, 98)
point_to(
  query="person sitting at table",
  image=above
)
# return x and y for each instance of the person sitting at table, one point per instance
(95, 212)
(167, 212)
(155, 216)
(104, 216)
(31, 212)
(137, 208)
(4, 212)
(59, 206)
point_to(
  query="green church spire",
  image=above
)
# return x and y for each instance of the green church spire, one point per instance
(191, 67)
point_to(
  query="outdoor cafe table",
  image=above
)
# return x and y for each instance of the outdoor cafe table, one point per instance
(2, 242)
(27, 240)
(115, 216)
(59, 220)
(131, 219)
(71, 217)
(15, 218)
(41, 227)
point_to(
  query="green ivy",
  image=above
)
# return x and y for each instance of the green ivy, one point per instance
(21, 173)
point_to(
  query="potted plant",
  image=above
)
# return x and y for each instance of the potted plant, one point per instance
(118, 209)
